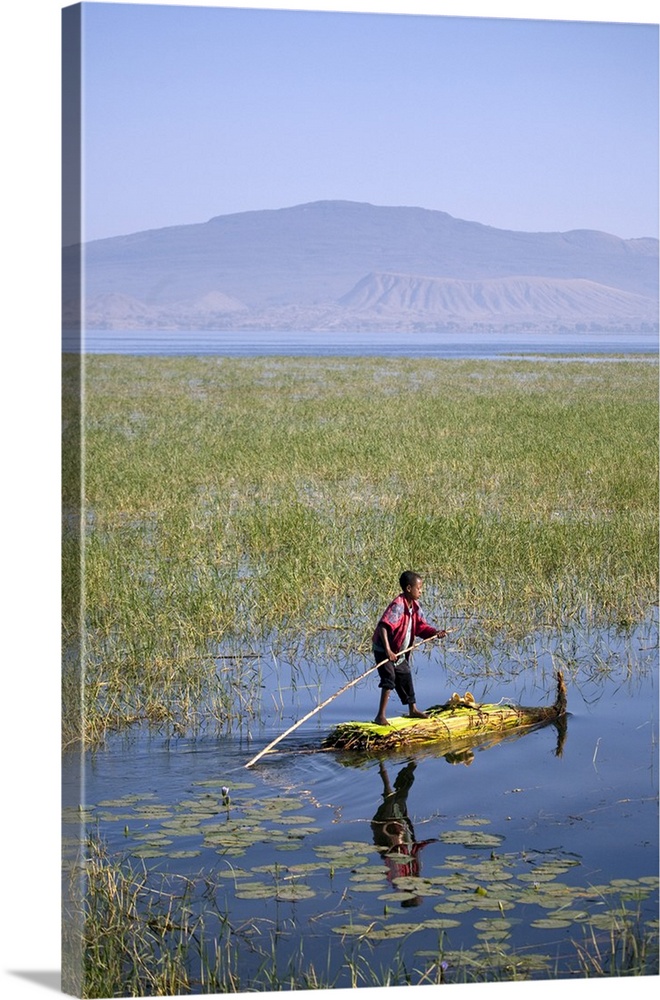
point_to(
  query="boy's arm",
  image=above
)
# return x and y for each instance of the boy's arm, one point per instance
(426, 631)
(384, 634)
(430, 632)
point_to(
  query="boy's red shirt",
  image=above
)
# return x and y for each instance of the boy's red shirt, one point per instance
(395, 618)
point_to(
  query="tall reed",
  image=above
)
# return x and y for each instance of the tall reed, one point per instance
(229, 500)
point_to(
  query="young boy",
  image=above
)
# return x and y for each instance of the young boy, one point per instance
(399, 625)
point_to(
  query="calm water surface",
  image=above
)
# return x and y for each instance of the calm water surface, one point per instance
(530, 844)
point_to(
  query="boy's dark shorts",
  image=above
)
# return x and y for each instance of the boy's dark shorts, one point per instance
(397, 679)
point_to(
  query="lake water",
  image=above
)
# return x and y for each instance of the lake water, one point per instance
(508, 859)
(389, 344)
(528, 857)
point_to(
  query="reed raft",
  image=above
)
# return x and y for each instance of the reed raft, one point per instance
(457, 718)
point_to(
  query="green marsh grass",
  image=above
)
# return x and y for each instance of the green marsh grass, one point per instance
(229, 503)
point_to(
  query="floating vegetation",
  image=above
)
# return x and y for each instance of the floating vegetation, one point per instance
(394, 931)
(477, 902)
(220, 887)
(471, 839)
(445, 725)
(358, 930)
(294, 892)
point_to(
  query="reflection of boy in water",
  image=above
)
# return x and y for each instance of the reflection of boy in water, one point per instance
(393, 830)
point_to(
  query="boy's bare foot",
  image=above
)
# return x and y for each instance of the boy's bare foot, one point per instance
(380, 720)
(415, 713)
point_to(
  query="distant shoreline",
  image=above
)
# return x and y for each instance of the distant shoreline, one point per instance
(356, 343)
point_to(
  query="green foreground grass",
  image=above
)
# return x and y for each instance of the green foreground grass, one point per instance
(230, 500)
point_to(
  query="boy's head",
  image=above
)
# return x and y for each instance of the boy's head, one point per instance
(411, 583)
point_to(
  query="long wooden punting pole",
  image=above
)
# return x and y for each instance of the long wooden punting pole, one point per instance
(336, 695)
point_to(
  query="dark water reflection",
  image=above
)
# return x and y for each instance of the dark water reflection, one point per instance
(393, 831)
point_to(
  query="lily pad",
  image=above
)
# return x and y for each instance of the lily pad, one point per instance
(452, 907)
(528, 963)
(534, 896)
(492, 903)
(493, 923)
(611, 920)
(353, 930)
(105, 817)
(184, 823)
(411, 883)
(209, 803)
(367, 887)
(398, 856)
(303, 868)
(153, 812)
(237, 836)
(394, 931)
(294, 892)
(466, 896)
(467, 839)
(494, 937)
(272, 807)
(234, 873)
(460, 959)
(148, 852)
(556, 889)
(255, 890)
(572, 915)
(342, 858)
(441, 923)
(295, 819)
(425, 890)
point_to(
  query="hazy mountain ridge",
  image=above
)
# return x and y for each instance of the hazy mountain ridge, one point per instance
(332, 265)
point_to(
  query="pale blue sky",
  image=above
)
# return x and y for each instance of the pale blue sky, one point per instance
(192, 112)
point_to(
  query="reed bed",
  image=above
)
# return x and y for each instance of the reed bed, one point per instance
(226, 503)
